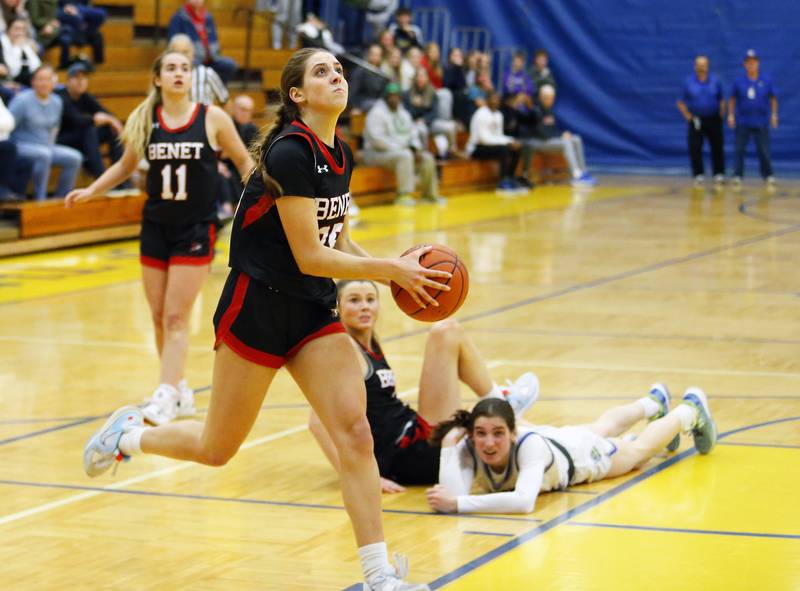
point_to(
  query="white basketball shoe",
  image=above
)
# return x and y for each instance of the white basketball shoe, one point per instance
(522, 393)
(393, 580)
(186, 406)
(162, 407)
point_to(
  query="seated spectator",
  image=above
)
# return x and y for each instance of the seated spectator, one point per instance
(540, 72)
(80, 25)
(37, 113)
(287, 16)
(43, 15)
(517, 80)
(431, 61)
(10, 10)
(551, 139)
(455, 80)
(391, 141)
(85, 124)
(488, 142)
(18, 53)
(194, 20)
(207, 87)
(422, 103)
(397, 69)
(406, 34)
(476, 95)
(230, 180)
(13, 175)
(520, 120)
(366, 86)
(386, 41)
(314, 32)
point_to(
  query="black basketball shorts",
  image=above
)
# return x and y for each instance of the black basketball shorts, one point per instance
(162, 245)
(267, 327)
(414, 461)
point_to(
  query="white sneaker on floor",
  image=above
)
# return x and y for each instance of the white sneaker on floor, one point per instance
(699, 181)
(522, 393)
(393, 580)
(186, 406)
(737, 183)
(162, 407)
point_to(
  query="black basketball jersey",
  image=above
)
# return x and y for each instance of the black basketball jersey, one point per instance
(304, 167)
(182, 179)
(388, 417)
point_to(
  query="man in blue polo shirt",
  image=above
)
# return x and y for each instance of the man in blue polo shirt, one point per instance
(702, 105)
(753, 106)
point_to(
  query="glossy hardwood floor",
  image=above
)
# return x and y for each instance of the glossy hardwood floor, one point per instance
(600, 292)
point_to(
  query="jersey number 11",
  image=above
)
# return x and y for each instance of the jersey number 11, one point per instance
(166, 183)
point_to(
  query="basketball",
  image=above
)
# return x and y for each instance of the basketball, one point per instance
(440, 258)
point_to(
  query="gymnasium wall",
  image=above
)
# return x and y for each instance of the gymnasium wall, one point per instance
(620, 65)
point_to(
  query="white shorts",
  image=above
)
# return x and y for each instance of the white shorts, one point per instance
(590, 453)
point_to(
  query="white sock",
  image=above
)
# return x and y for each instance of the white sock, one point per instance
(651, 407)
(495, 392)
(374, 560)
(131, 442)
(688, 416)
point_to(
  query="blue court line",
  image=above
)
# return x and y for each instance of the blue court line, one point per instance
(246, 501)
(775, 445)
(575, 511)
(631, 335)
(681, 530)
(487, 533)
(51, 429)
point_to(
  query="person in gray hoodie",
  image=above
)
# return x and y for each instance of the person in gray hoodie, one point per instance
(391, 140)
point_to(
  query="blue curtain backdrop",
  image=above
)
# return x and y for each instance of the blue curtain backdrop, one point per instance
(620, 65)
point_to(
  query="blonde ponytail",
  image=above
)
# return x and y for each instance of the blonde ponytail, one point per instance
(140, 123)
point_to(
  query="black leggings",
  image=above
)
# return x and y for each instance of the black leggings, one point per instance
(508, 158)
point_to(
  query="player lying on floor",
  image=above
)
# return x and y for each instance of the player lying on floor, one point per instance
(400, 433)
(489, 466)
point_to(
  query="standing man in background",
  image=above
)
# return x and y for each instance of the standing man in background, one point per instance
(753, 108)
(703, 106)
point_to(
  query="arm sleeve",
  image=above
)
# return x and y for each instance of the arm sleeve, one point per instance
(18, 107)
(523, 498)
(456, 468)
(290, 162)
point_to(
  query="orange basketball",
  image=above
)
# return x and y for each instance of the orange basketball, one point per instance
(440, 258)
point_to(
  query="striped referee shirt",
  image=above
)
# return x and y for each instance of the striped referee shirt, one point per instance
(207, 87)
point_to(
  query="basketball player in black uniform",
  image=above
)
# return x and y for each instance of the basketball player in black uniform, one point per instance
(179, 139)
(401, 434)
(290, 235)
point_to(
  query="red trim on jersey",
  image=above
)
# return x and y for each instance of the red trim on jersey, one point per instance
(332, 328)
(376, 356)
(249, 353)
(257, 210)
(153, 262)
(183, 127)
(234, 308)
(199, 261)
(323, 148)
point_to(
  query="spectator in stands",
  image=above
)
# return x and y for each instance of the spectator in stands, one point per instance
(472, 67)
(314, 32)
(520, 122)
(37, 113)
(540, 72)
(194, 20)
(422, 103)
(386, 41)
(406, 33)
(477, 95)
(431, 60)
(230, 179)
(207, 87)
(10, 10)
(80, 25)
(13, 174)
(703, 106)
(753, 107)
(397, 69)
(517, 80)
(488, 142)
(455, 80)
(19, 52)
(44, 18)
(391, 141)
(366, 86)
(287, 16)
(85, 124)
(550, 138)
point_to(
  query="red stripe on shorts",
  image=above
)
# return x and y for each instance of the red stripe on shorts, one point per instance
(154, 263)
(234, 308)
(249, 353)
(332, 328)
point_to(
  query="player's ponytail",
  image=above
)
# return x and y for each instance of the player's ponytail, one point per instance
(288, 111)
(487, 407)
(140, 122)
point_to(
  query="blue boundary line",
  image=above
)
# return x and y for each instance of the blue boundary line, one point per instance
(768, 445)
(566, 516)
(681, 530)
(487, 533)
